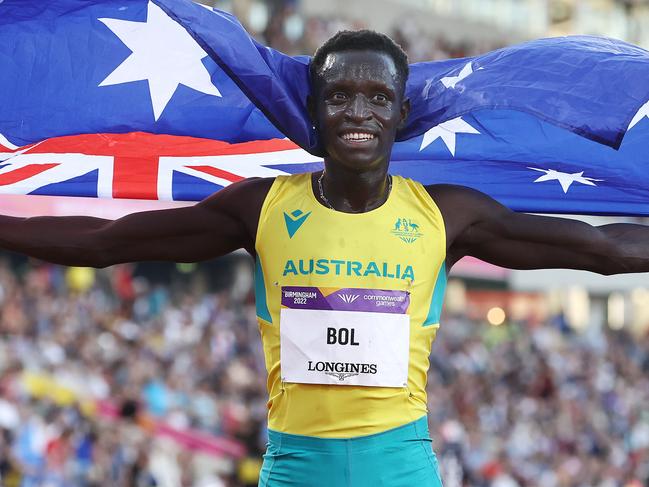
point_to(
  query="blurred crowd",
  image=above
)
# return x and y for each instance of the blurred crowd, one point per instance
(281, 24)
(93, 364)
(91, 360)
(520, 405)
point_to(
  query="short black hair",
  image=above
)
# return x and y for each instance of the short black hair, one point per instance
(360, 40)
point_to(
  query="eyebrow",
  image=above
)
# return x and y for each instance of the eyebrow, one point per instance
(374, 85)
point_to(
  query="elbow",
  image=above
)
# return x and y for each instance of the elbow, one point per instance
(97, 254)
(101, 262)
(608, 270)
(617, 262)
(103, 257)
(102, 250)
(622, 265)
(97, 260)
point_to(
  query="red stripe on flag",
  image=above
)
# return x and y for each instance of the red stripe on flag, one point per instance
(5, 150)
(136, 178)
(141, 144)
(219, 173)
(24, 173)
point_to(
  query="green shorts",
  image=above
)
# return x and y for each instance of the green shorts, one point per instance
(400, 457)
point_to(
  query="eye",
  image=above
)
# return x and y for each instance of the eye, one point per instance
(338, 96)
(380, 98)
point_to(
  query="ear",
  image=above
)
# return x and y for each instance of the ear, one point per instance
(405, 110)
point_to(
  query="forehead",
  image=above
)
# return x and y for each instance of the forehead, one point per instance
(377, 67)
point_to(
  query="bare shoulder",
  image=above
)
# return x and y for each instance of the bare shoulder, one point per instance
(241, 201)
(453, 193)
(249, 192)
(462, 202)
(245, 195)
(462, 207)
(463, 198)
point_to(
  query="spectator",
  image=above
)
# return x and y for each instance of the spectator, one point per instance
(536, 406)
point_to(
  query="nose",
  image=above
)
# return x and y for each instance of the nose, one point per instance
(358, 109)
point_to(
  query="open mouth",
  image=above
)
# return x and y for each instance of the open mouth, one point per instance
(357, 137)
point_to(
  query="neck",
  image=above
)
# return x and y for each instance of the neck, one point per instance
(352, 192)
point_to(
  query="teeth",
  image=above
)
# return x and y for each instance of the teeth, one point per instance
(358, 136)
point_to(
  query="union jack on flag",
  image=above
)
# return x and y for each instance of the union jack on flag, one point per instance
(176, 101)
(142, 166)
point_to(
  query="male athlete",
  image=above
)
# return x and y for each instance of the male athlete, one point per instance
(351, 267)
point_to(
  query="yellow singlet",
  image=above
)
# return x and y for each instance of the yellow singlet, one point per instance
(317, 268)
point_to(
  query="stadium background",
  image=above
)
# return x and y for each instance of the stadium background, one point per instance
(152, 374)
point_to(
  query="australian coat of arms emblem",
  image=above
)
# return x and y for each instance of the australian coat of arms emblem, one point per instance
(406, 229)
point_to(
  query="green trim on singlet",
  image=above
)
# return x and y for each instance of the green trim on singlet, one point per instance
(437, 299)
(260, 293)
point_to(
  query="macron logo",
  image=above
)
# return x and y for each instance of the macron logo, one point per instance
(294, 221)
(348, 298)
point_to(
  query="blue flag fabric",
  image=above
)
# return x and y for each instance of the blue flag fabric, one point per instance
(573, 82)
(555, 125)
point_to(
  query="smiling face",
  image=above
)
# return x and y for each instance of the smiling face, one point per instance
(357, 106)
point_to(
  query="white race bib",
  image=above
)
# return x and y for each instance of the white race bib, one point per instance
(355, 337)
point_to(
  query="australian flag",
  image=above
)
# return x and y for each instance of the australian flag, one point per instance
(167, 99)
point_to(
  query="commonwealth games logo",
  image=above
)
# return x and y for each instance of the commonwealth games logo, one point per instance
(406, 229)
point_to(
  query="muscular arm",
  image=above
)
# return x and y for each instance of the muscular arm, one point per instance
(217, 225)
(481, 227)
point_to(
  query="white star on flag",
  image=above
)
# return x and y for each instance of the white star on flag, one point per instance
(451, 81)
(163, 53)
(643, 112)
(565, 179)
(447, 131)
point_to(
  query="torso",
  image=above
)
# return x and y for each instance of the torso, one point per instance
(380, 272)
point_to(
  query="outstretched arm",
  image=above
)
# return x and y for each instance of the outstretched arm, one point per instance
(479, 226)
(217, 225)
